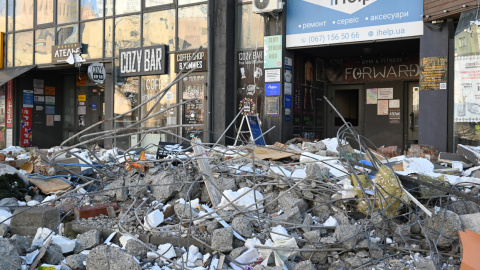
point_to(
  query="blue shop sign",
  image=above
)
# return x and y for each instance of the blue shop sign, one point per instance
(322, 22)
(272, 89)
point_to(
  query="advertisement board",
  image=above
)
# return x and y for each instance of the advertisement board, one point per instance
(324, 22)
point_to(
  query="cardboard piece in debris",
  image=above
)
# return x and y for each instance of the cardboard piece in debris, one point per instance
(50, 185)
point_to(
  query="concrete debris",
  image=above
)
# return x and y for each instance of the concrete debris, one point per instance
(9, 257)
(109, 257)
(300, 205)
(89, 239)
(76, 261)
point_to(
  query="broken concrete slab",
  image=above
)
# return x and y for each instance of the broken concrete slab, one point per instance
(108, 257)
(9, 257)
(89, 239)
(471, 222)
(243, 226)
(471, 153)
(442, 228)
(222, 239)
(76, 261)
(53, 255)
(27, 221)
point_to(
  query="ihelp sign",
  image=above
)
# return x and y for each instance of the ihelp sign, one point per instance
(346, 6)
(324, 22)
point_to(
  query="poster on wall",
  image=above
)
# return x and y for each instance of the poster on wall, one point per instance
(26, 127)
(385, 93)
(38, 83)
(194, 88)
(50, 100)
(372, 96)
(467, 88)
(394, 115)
(38, 91)
(251, 81)
(49, 90)
(382, 107)
(272, 105)
(322, 22)
(394, 104)
(39, 100)
(273, 51)
(272, 75)
(50, 120)
(28, 98)
(9, 105)
(433, 74)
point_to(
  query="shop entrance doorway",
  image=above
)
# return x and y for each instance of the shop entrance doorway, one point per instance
(349, 101)
(413, 110)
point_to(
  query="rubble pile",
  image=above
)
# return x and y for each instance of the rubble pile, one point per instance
(339, 203)
(325, 206)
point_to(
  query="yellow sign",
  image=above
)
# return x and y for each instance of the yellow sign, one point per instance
(49, 90)
(81, 80)
(82, 97)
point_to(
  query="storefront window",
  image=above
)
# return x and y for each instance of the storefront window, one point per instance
(67, 11)
(159, 28)
(192, 27)
(67, 34)
(91, 9)
(126, 98)
(44, 40)
(108, 7)
(153, 3)
(249, 27)
(467, 81)
(23, 14)
(92, 37)
(3, 16)
(185, 2)
(24, 48)
(127, 32)
(152, 85)
(123, 7)
(9, 43)
(108, 37)
(10, 15)
(44, 11)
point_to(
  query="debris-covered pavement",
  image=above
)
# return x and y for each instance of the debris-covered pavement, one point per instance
(339, 203)
(299, 205)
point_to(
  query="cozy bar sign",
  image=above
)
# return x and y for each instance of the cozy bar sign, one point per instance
(142, 61)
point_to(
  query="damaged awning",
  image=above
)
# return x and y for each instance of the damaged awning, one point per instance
(11, 73)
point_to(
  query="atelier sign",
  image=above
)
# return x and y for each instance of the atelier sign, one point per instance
(199, 61)
(60, 53)
(142, 61)
(96, 73)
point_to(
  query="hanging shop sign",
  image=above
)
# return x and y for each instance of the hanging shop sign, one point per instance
(142, 61)
(199, 61)
(9, 104)
(60, 53)
(322, 22)
(96, 72)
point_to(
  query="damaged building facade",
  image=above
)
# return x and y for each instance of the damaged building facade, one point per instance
(69, 64)
(392, 71)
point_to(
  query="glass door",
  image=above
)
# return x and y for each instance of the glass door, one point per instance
(191, 87)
